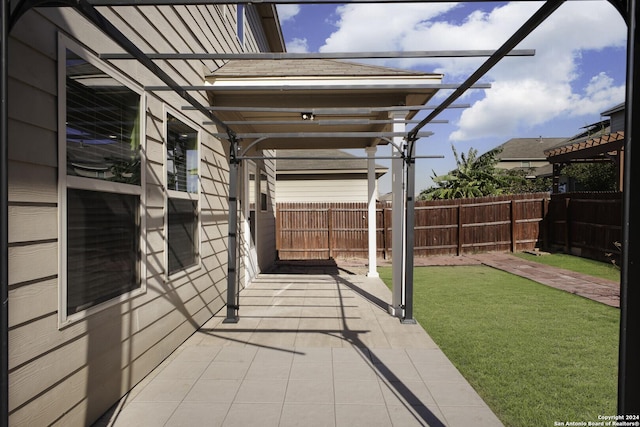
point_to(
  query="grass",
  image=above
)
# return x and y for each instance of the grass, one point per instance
(536, 355)
(580, 265)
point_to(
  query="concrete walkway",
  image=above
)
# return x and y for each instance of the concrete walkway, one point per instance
(309, 350)
(594, 288)
(597, 289)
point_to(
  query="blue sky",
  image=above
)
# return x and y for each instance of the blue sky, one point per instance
(578, 70)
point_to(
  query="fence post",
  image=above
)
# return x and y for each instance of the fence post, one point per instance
(567, 225)
(514, 242)
(330, 230)
(545, 224)
(459, 252)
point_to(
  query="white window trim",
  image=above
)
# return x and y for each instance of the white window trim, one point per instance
(181, 195)
(81, 183)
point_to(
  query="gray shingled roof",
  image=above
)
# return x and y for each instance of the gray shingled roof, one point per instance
(313, 161)
(306, 68)
(528, 148)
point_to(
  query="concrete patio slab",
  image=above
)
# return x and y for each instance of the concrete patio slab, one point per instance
(309, 350)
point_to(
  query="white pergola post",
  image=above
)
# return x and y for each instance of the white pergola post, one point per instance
(372, 224)
(397, 216)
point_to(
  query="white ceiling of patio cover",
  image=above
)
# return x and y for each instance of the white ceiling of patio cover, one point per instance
(326, 84)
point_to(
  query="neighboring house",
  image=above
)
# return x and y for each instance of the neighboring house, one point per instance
(118, 201)
(600, 142)
(527, 154)
(322, 176)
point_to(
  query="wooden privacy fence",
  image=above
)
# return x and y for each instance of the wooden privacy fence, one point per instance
(339, 230)
(587, 224)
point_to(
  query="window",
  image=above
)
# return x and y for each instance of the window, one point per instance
(263, 193)
(182, 164)
(525, 164)
(240, 23)
(101, 184)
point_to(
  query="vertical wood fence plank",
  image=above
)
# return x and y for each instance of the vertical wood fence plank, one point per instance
(460, 233)
(514, 237)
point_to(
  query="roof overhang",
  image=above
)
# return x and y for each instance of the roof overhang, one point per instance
(348, 108)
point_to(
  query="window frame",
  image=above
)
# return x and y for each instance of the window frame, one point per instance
(66, 182)
(184, 195)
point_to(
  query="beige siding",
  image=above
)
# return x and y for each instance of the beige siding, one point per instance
(322, 190)
(266, 219)
(70, 375)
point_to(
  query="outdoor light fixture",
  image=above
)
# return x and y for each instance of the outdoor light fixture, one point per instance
(307, 116)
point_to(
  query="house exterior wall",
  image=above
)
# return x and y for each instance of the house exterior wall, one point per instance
(512, 164)
(327, 189)
(69, 374)
(617, 121)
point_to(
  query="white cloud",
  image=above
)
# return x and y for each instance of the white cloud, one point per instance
(287, 11)
(526, 91)
(297, 46)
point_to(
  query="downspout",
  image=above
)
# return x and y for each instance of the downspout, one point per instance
(4, 214)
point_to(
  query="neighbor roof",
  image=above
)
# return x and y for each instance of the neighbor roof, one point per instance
(528, 148)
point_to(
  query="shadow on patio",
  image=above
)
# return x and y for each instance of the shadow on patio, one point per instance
(309, 350)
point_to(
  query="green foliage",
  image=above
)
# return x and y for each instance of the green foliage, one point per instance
(477, 176)
(473, 177)
(518, 183)
(593, 176)
(535, 354)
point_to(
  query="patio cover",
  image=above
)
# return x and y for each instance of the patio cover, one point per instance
(266, 99)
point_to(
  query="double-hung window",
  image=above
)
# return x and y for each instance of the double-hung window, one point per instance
(182, 166)
(100, 183)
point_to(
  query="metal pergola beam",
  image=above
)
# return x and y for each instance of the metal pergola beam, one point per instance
(223, 2)
(287, 135)
(320, 55)
(331, 157)
(285, 88)
(336, 122)
(629, 356)
(325, 110)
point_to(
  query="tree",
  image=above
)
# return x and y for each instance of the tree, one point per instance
(593, 176)
(519, 182)
(473, 177)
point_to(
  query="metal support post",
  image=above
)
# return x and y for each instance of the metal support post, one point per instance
(629, 367)
(4, 214)
(397, 220)
(232, 271)
(371, 212)
(409, 233)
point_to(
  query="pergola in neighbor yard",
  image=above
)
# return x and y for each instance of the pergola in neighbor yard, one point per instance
(367, 135)
(603, 148)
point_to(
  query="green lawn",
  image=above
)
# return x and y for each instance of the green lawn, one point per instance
(581, 265)
(535, 354)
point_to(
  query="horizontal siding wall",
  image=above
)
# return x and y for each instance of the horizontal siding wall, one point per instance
(69, 376)
(321, 190)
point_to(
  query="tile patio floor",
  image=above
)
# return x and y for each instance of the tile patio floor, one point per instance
(309, 350)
